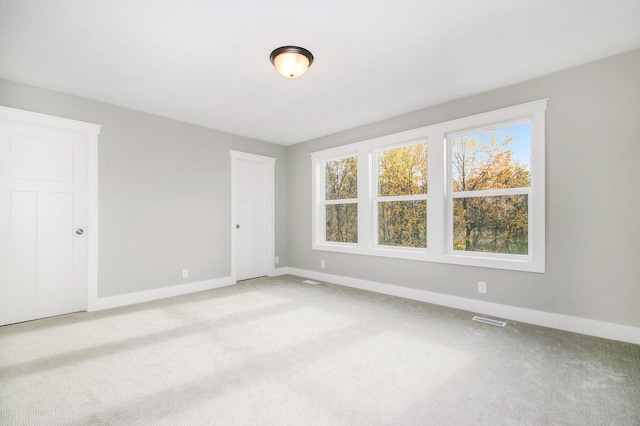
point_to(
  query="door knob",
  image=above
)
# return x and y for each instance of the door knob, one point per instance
(80, 231)
(237, 226)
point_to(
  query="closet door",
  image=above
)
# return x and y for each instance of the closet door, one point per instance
(252, 214)
(43, 221)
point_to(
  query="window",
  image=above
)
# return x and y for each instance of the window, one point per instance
(490, 185)
(341, 200)
(401, 199)
(473, 195)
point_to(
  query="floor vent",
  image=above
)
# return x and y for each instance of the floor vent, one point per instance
(310, 282)
(489, 321)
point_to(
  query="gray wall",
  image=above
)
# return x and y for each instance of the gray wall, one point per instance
(593, 202)
(164, 192)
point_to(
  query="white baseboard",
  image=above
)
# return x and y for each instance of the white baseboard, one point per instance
(155, 294)
(606, 330)
(278, 272)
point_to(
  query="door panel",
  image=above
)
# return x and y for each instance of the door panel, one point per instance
(41, 159)
(24, 244)
(57, 265)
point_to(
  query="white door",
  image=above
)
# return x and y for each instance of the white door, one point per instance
(253, 215)
(43, 218)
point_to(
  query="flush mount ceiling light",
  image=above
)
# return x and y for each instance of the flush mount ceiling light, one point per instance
(291, 61)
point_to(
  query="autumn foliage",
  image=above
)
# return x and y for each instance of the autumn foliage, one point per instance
(403, 181)
(489, 223)
(341, 184)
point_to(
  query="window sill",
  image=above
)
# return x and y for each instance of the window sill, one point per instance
(480, 260)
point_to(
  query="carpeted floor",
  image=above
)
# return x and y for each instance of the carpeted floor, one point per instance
(276, 351)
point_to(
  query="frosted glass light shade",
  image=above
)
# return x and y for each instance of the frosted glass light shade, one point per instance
(291, 61)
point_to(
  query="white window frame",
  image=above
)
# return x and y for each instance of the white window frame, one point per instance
(439, 211)
(375, 198)
(483, 193)
(320, 201)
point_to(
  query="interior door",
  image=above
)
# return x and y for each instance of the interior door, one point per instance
(251, 213)
(43, 217)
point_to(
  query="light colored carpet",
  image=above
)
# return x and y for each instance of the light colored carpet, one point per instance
(276, 351)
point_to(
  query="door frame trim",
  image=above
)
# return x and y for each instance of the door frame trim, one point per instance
(91, 131)
(269, 162)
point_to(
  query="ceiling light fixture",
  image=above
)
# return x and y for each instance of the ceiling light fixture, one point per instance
(291, 61)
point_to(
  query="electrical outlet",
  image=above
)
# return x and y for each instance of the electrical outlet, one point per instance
(185, 273)
(482, 287)
(277, 259)
(322, 264)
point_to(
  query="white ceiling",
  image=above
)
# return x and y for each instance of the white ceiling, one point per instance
(207, 61)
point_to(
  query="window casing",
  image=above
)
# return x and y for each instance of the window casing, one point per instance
(497, 222)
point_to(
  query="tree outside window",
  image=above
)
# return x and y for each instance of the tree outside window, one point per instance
(491, 182)
(402, 196)
(341, 196)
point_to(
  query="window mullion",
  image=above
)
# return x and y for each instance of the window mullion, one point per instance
(365, 192)
(436, 226)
